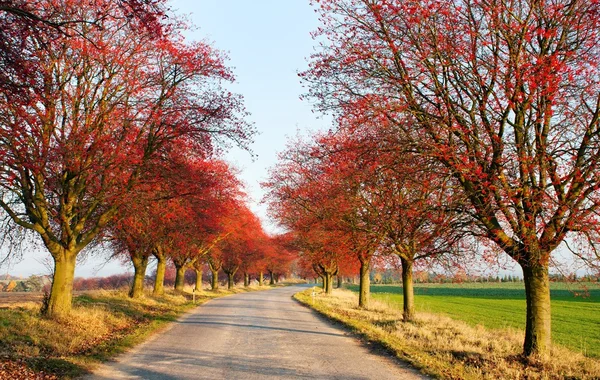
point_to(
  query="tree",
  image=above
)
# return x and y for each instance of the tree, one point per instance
(317, 190)
(406, 200)
(179, 208)
(506, 95)
(112, 99)
(239, 246)
(279, 253)
(294, 193)
(215, 263)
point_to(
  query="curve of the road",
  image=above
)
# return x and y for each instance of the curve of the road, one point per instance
(256, 335)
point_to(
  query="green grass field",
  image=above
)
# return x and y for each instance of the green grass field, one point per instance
(575, 308)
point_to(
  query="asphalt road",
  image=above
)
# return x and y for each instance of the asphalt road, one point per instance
(255, 335)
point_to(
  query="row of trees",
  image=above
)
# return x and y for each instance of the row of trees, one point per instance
(458, 122)
(194, 215)
(111, 126)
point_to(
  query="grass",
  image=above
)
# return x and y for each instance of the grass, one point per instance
(101, 325)
(575, 308)
(447, 348)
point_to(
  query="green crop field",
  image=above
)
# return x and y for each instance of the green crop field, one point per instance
(575, 308)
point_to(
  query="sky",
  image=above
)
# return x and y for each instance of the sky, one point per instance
(267, 42)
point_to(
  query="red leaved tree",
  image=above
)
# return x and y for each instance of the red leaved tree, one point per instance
(506, 95)
(113, 97)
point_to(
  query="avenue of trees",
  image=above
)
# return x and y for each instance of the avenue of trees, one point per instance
(459, 123)
(462, 127)
(111, 127)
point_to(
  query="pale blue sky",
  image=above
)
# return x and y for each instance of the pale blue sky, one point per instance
(267, 42)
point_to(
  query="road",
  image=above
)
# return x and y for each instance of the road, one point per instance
(255, 335)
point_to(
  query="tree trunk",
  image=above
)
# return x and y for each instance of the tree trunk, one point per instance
(61, 293)
(537, 293)
(159, 281)
(339, 281)
(140, 263)
(179, 278)
(198, 280)
(230, 280)
(214, 284)
(246, 280)
(407, 290)
(364, 292)
(272, 281)
(328, 283)
(260, 279)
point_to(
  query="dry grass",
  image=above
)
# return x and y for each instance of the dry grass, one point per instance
(450, 349)
(101, 325)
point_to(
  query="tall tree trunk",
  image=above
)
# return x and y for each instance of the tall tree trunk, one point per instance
(214, 283)
(140, 263)
(260, 279)
(159, 281)
(272, 282)
(198, 280)
(339, 281)
(246, 280)
(537, 293)
(407, 290)
(323, 281)
(179, 277)
(364, 292)
(230, 280)
(61, 293)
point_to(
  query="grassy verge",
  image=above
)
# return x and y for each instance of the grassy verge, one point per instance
(446, 348)
(102, 325)
(575, 308)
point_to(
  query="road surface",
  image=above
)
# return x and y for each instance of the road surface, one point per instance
(257, 335)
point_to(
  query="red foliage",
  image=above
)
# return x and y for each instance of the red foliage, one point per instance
(503, 95)
(101, 100)
(117, 281)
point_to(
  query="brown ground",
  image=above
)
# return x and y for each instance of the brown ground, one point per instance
(11, 298)
(15, 370)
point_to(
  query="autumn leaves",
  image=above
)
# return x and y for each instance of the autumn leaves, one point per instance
(483, 114)
(109, 133)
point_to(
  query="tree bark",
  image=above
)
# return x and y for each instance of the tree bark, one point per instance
(328, 283)
(198, 280)
(537, 293)
(272, 281)
(159, 281)
(407, 290)
(260, 279)
(140, 263)
(61, 293)
(339, 281)
(230, 280)
(246, 280)
(179, 277)
(214, 283)
(364, 292)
